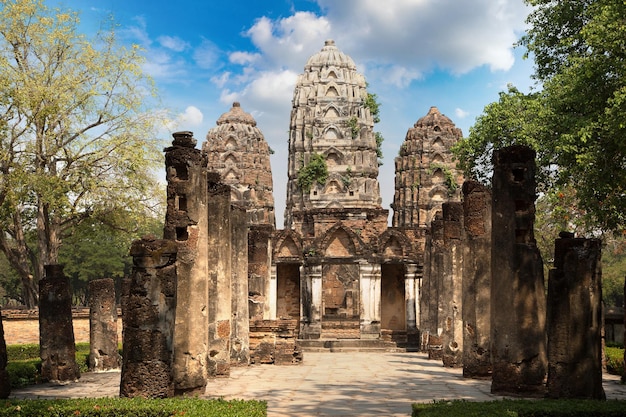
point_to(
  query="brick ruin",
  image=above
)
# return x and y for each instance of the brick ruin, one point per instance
(337, 276)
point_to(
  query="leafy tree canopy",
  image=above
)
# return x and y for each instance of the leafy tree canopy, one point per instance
(76, 133)
(577, 122)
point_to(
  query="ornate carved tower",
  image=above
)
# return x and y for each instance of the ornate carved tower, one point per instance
(426, 174)
(237, 150)
(329, 117)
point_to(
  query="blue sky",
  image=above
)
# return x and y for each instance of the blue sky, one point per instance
(206, 54)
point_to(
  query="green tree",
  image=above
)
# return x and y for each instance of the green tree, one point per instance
(516, 118)
(76, 138)
(94, 250)
(580, 52)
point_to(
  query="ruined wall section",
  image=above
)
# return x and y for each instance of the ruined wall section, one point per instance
(426, 174)
(476, 280)
(518, 296)
(575, 320)
(237, 150)
(149, 314)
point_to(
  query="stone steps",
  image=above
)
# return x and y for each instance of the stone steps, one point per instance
(348, 345)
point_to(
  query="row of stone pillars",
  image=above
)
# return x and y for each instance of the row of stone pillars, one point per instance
(57, 347)
(484, 301)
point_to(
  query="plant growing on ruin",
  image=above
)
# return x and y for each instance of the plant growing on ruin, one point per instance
(76, 136)
(353, 124)
(347, 178)
(449, 180)
(316, 171)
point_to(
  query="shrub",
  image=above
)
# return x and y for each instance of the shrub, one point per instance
(136, 407)
(521, 408)
(24, 363)
(615, 360)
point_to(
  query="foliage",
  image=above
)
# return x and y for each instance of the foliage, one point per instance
(136, 407)
(613, 269)
(514, 119)
(22, 352)
(24, 363)
(615, 360)
(316, 171)
(579, 54)
(449, 180)
(521, 408)
(577, 122)
(353, 124)
(95, 250)
(76, 138)
(371, 102)
(347, 178)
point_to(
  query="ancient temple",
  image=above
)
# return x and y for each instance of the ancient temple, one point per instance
(336, 268)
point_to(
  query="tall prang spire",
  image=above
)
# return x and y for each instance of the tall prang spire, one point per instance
(330, 118)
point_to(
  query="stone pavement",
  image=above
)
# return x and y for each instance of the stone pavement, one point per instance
(326, 384)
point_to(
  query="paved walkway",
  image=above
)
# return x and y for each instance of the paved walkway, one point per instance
(326, 384)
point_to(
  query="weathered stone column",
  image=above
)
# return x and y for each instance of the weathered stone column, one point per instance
(56, 333)
(370, 282)
(452, 286)
(424, 319)
(240, 331)
(149, 312)
(5, 383)
(259, 272)
(273, 293)
(411, 294)
(186, 224)
(311, 296)
(574, 320)
(476, 280)
(518, 303)
(220, 275)
(103, 342)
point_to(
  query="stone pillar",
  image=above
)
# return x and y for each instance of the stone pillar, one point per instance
(574, 320)
(273, 294)
(240, 330)
(411, 294)
(149, 312)
(311, 296)
(370, 280)
(259, 272)
(5, 383)
(56, 333)
(220, 275)
(452, 285)
(186, 223)
(103, 343)
(476, 280)
(518, 303)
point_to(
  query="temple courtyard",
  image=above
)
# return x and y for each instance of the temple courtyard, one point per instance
(325, 384)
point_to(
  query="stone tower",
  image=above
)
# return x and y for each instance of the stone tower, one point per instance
(237, 150)
(329, 117)
(426, 174)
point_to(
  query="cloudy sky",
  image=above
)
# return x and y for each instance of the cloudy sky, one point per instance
(206, 54)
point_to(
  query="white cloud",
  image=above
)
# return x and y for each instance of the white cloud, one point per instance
(243, 58)
(460, 113)
(191, 117)
(221, 80)
(288, 42)
(173, 42)
(206, 55)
